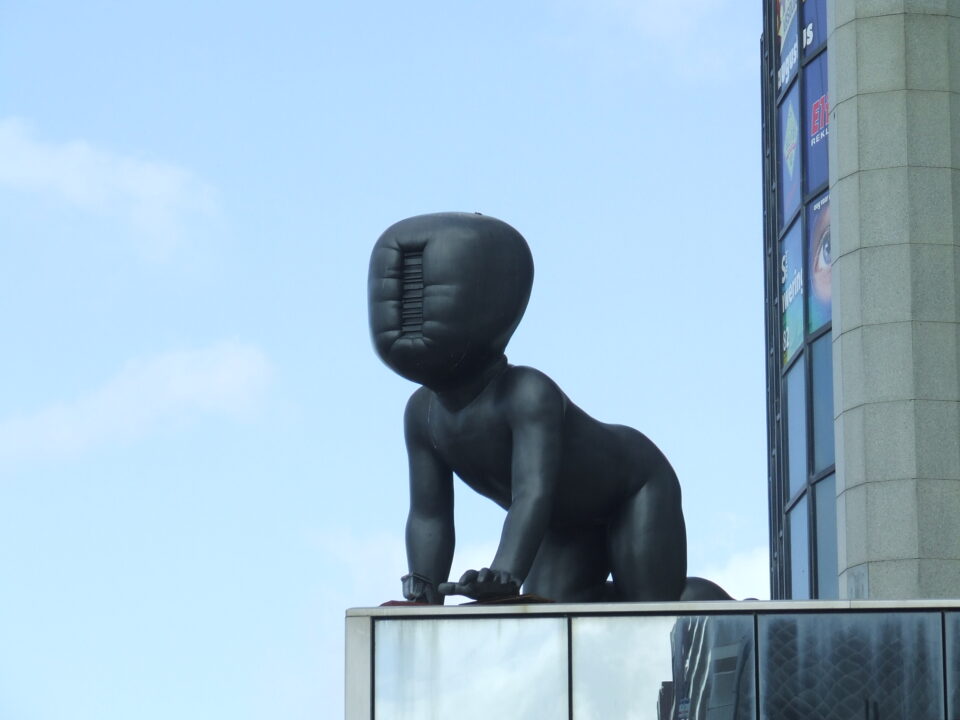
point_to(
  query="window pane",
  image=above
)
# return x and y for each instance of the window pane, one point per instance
(796, 400)
(826, 504)
(662, 667)
(788, 139)
(797, 523)
(787, 41)
(816, 110)
(791, 293)
(823, 447)
(819, 261)
(813, 31)
(471, 669)
(952, 621)
(849, 667)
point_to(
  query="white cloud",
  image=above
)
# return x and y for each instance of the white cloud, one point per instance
(744, 575)
(155, 199)
(223, 379)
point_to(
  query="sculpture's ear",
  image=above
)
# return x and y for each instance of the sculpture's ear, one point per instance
(445, 293)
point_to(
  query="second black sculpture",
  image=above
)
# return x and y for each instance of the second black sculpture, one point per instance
(584, 499)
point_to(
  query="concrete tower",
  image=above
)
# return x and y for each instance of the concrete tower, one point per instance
(894, 77)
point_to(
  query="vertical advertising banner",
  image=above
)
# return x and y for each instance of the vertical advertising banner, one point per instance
(813, 26)
(819, 260)
(791, 293)
(816, 109)
(789, 156)
(787, 41)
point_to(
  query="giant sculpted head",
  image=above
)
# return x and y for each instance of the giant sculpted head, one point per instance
(446, 291)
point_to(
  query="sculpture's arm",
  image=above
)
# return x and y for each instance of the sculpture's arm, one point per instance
(430, 533)
(534, 410)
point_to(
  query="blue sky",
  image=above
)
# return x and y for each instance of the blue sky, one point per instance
(201, 457)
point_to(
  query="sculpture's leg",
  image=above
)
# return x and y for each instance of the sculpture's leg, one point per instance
(571, 566)
(648, 542)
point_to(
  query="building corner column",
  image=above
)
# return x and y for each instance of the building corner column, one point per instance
(894, 84)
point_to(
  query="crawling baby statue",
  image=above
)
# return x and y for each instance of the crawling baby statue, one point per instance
(585, 500)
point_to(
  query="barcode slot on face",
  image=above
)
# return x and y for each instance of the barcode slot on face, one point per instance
(411, 303)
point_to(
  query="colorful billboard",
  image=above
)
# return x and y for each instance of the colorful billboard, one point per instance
(819, 260)
(788, 145)
(813, 28)
(816, 107)
(787, 42)
(791, 293)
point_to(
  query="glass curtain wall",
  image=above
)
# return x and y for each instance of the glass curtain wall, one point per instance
(797, 262)
(750, 661)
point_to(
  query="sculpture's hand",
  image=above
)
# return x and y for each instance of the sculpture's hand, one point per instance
(484, 584)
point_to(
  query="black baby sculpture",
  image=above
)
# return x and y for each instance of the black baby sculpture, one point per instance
(584, 500)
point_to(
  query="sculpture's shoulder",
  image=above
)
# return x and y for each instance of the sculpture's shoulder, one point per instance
(525, 390)
(418, 408)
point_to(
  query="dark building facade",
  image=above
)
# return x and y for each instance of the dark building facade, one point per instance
(798, 292)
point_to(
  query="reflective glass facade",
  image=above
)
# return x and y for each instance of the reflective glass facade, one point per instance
(851, 665)
(797, 262)
(435, 668)
(682, 661)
